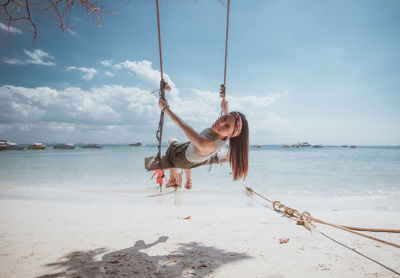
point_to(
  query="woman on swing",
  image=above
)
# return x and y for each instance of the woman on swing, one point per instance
(230, 126)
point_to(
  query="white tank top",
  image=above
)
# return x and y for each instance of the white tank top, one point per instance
(191, 151)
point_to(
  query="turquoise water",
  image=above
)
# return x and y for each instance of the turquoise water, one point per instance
(368, 172)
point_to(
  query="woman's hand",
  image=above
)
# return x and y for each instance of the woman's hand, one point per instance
(224, 106)
(162, 103)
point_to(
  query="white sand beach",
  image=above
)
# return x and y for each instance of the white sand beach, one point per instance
(96, 238)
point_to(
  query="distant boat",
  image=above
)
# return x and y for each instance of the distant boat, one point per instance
(285, 146)
(344, 146)
(353, 146)
(3, 145)
(304, 144)
(92, 146)
(14, 147)
(65, 146)
(258, 146)
(138, 144)
(36, 146)
(317, 146)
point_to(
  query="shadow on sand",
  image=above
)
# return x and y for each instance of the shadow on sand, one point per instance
(188, 260)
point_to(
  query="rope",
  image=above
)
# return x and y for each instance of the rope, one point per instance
(162, 89)
(226, 40)
(223, 87)
(159, 39)
(304, 218)
(160, 123)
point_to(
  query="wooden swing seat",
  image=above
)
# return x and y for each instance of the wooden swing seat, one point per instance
(151, 164)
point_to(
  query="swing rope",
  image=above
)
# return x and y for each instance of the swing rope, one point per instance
(159, 39)
(163, 84)
(162, 89)
(226, 40)
(222, 90)
(305, 218)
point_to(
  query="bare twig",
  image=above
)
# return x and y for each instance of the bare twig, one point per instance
(11, 12)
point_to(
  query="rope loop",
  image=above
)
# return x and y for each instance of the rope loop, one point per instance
(275, 204)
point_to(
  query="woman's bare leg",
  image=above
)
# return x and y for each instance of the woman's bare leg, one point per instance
(188, 174)
(179, 177)
(172, 178)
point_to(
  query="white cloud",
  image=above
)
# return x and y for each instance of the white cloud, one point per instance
(260, 101)
(106, 63)
(120, 114)
(143, 69)
(108, 73)
(10, 29)
(88, 72)
(38, 57)
(13, 61)
(72, 33)
(113, 105)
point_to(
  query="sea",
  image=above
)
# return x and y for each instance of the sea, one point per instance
(331, 178)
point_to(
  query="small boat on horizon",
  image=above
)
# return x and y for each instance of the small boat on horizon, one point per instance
(317, 146)
(92, 146)
(3, 145)
(304, 144)
(64, 146)
(14, 147)
(353, 146)
(36, 146)
(138, 144)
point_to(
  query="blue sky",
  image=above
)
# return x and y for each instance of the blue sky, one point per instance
(327, 72)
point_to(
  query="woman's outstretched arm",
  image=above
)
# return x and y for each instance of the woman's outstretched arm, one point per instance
(202, 143)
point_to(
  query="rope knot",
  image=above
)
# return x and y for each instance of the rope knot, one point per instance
(222, 91)
(306, 220)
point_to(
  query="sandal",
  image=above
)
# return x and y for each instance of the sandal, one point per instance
(172, 184)
(188, 185)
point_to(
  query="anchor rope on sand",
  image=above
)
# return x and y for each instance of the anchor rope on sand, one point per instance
(304, 218)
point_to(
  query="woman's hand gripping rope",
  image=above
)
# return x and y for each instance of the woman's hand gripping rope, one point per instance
(162, 103)
(224, 103)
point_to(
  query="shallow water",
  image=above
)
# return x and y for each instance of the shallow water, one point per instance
(364, 174)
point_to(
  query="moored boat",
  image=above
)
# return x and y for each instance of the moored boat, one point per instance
(3, 145)
(304, 144)
(65, 146)
(138, 144)
(37, 146)
(92, 146)
(14, 147)
(317, 146)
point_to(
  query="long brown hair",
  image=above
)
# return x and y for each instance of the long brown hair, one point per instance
(239, 151)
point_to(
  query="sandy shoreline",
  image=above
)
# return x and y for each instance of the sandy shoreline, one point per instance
(44, 238)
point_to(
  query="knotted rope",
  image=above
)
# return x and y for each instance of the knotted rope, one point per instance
(223, 87)
(163, 86)
(304, 218)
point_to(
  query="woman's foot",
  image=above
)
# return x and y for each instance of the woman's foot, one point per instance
(188, 184)
(172, 183)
